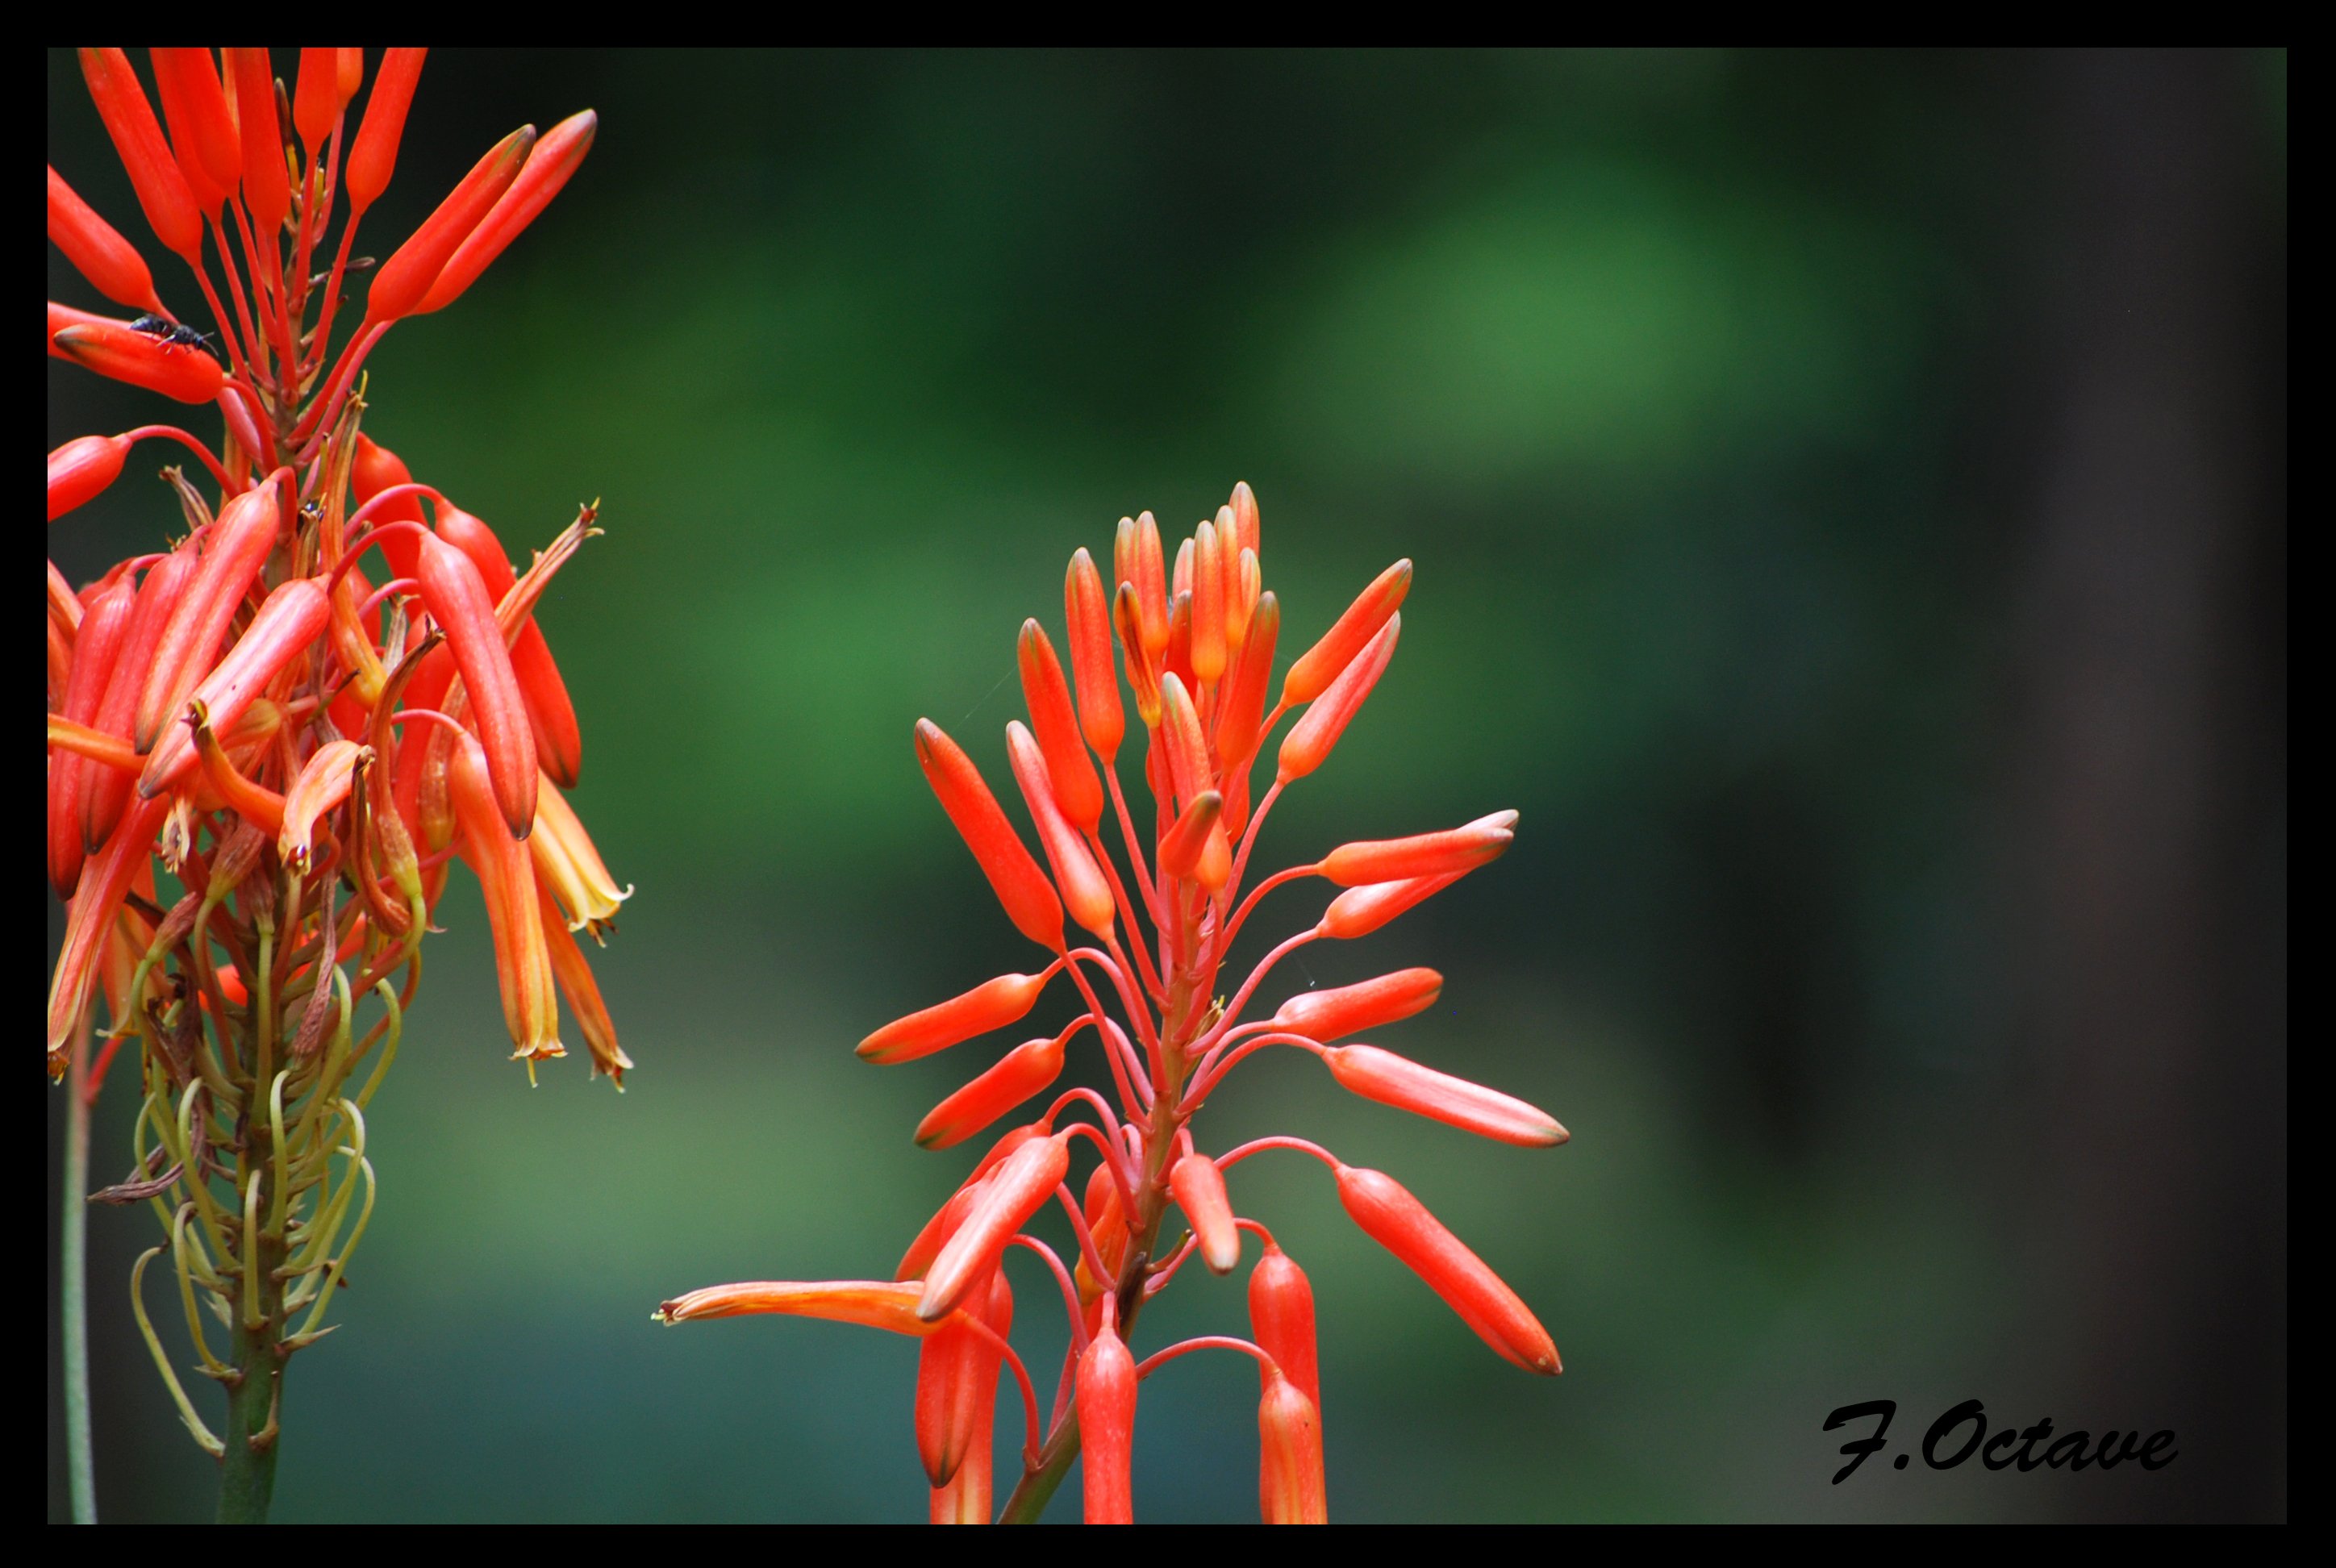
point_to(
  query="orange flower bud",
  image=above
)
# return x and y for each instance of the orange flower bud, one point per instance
(1087, 613)
(1291, 1489)
(266, 186)
(1019, 1188)
(1015, 1077)
(1123, 554)
(1151, 581)
(1072, 776)
(104, 792)
(555, 159)
(400, 283)
(1189, 771)
(870, 1303)
(240, 540)
(458, 601)
(946, 1220)
(1199, 1188)
(514, 917)
(1320, 665)
(373, 469)
(82, 468)
(97, 250)
(1360, 911)
(1002, 1150)
(125, 945)
(1397, 1081)
(96, 646)
(114, 350)
(89, 917)
(202, 131)
(965, 1498)
(1106, 1407)
(1398, 1221)
(550, 715)
(323, 785)
(1243, 583)
(991, 1005)
(1179, 657)
(109, 752)
(1241, 706)
(1216, 865)
(1107, 1223)
(1021, 887)
(1438, 854)
(1143, 672)
(1310, 740)
(373, 155)
(154, 175)
(63, 316)
(1180, 581)
(957, 1380)
(317, 97)
(1086, 894)
(1325, 1016)
(283, 630)
(569, 865)
(1179, 852)
(1245, 518)
(1208, 636)
(65, 608)
(258, 805)
(1281, 1320)
(574, 974)
(60, 661)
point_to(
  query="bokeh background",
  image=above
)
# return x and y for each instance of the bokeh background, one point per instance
(1849, 500)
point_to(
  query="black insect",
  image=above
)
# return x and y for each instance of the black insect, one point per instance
(170, 333)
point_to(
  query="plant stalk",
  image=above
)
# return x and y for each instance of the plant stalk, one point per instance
(81, 1468)
(1037, 1488)
(255, 1400)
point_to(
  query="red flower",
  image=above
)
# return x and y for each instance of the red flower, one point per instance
(1196, 646)
(276, 703)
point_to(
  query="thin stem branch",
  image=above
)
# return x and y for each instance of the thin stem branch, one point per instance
(1134, 852)
(1154, 1362)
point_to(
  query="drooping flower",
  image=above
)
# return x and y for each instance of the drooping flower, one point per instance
(1196, 644)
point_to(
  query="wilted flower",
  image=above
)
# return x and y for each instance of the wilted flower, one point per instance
(1197, 644)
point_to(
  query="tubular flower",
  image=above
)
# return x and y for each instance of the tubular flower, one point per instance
(1289, 1483)
(1106, 1407)
(1281, 1319)
(1196, 643)
(249, 707)
(991, 1005)
(569, 865)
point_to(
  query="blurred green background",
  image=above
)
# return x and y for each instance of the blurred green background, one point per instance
(1848, 497)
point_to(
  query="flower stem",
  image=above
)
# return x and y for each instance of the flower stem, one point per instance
(1039, 1483)
(80, 1457)
(1037, 1487)
(256, 1396)
(248, 1469)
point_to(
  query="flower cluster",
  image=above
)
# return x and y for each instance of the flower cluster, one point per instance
(1196, 645)
(301, 745)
